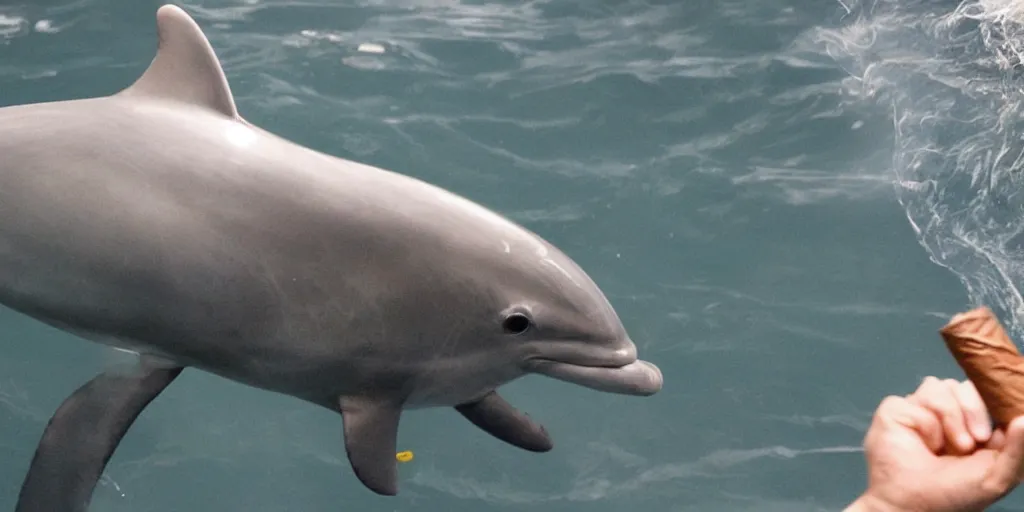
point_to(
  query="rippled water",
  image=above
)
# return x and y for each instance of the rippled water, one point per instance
(783, 199)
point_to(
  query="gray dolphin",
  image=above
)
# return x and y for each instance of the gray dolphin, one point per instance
(157, 220)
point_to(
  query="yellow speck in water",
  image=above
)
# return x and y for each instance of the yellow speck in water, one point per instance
(405, 456)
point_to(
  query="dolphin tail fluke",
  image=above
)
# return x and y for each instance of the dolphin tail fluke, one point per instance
(371, 435)
(83, 434)
(499, 418)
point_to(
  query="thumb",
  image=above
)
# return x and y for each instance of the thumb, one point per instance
(1008, 467)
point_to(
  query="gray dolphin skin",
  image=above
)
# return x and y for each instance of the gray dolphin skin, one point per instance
(157, 220)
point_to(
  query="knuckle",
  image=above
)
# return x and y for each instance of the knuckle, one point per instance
(940, 399)
(891, 402)
(937, 402)
(928, 385)
(996, 485)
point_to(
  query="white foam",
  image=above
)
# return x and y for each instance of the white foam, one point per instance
(10, 25)
(370, 48)
(46, 27)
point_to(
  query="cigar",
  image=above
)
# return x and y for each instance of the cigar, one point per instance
(990, 359)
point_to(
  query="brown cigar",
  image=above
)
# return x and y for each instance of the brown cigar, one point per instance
(990, 359)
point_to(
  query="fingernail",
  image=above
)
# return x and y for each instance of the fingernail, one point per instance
(965, 440)
(982, 430)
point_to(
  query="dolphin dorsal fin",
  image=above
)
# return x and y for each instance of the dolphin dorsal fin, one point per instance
(185, 68)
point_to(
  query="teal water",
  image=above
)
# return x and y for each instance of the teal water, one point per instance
(783, 199)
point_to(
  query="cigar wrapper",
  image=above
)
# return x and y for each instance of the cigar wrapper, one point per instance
(991, 361)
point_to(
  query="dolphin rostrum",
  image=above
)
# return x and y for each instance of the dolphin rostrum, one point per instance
(157, 220)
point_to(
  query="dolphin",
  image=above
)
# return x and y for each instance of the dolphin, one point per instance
(157, 220)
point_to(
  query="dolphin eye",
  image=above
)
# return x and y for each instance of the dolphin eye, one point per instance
(516, 323)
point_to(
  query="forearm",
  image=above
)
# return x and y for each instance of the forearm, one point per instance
(857, 506)
(866, 503)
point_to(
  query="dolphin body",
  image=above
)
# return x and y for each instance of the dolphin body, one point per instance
(157, 220)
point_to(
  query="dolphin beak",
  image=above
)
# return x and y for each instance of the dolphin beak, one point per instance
(621, 372)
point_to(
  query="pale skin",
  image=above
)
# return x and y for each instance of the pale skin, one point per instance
(934, 451)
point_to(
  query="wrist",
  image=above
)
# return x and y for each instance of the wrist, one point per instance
(868, 503)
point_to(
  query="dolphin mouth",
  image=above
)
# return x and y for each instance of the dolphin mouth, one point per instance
(618, 372)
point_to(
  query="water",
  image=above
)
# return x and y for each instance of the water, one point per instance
(783, 199)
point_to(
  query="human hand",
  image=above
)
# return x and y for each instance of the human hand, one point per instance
(935, 451)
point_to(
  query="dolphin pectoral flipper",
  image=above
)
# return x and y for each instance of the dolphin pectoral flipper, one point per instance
(83, 434)
(494, 415)
(371, 435)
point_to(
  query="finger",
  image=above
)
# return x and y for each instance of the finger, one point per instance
(898, 412)
(924, 385)
(938, 396)
(1007, 470)
(975, 413)
(997, 440)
